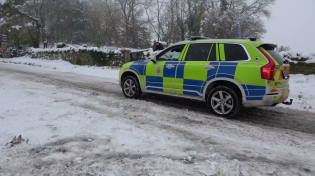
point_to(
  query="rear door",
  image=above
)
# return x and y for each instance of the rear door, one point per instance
(198, 66)
(160, 76)
(236, 64)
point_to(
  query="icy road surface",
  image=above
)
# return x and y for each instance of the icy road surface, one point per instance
(82, 125)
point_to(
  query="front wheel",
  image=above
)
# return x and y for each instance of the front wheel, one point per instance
(224, 101)
(131, 87)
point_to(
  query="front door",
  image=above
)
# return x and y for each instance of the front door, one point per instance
(160, 76)
(199, 66)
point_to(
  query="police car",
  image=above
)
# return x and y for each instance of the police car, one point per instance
(226, 74)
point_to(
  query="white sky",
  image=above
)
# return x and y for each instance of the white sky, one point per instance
(292, 24)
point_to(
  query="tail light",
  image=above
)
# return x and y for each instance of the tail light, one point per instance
(267, 71)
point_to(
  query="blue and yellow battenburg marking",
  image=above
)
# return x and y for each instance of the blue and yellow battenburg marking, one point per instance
(189, 78)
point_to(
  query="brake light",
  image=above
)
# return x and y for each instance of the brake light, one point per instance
(267, 71)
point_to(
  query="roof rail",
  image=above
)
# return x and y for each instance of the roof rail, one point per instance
(198, 38)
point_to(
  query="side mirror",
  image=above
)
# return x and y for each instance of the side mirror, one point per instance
(153, 59)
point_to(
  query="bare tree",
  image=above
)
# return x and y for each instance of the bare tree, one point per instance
(133, 23)
(224, 15)
(30, 11)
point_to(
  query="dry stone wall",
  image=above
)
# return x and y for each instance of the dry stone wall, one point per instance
(91, 58)
(302, 68)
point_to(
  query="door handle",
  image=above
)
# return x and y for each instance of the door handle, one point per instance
(209, 67)
(170, 66)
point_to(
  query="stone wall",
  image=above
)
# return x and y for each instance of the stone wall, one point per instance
(84, 58)
(302, 68)
(87, 58)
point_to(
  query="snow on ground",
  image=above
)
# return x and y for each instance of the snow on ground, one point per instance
(73, 131)
(301, 85)
(302, 92)
(43, 115)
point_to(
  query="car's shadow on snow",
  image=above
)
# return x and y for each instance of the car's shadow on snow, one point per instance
(176, 102)
(274, 117)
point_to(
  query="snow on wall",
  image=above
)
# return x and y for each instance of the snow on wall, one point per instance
(298, 56)
(77, 48)
(163, 43)
(150, 53)
(17, 27)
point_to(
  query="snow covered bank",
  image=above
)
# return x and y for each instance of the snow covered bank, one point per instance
(110, 74)
(302, 91)
(73, 139)
(301, 86)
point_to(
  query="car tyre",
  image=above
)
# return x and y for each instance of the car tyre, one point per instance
(224, 101)
(131, 87)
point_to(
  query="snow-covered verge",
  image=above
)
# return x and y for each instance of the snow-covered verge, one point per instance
(302, 92)
(301, 85)
(69, 131)
(65, 139)
(110, 74)
(295, 56)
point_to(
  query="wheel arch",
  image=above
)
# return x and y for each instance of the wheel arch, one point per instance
(130, 72)
(224, 81)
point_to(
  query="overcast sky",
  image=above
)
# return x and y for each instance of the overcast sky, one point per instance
(292, 24)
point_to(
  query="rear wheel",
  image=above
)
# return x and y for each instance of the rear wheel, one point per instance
(224, 101)
(131, 87)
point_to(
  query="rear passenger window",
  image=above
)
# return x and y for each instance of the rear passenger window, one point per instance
(234, 52)
(198, 52)
(213, 53)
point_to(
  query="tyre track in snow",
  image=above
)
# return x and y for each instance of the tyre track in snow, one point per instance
(273, 117)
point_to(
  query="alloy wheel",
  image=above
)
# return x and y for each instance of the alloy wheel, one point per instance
(222, 102)
(130, 87)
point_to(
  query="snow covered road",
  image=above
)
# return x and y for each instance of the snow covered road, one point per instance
(78, 124)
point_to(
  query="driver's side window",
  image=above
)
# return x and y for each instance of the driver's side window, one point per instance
(171, 54)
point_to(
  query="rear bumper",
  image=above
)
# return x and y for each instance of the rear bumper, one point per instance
(269, 100)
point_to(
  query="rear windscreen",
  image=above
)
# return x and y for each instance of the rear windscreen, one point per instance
(275, 55)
